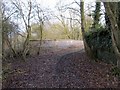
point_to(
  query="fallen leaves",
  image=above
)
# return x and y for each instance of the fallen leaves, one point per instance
(50, 70)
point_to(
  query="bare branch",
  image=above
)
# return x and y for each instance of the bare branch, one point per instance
(21, 11)
(77, 2)
(72, 19)
(74, 9)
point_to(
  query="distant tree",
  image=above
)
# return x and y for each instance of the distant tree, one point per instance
(40, 17)
(64, 25)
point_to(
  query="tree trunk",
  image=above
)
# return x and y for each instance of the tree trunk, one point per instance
(114, 30)
(41, 35)
(107, 21)
(97, 15)
(87, 48)
(26, 45)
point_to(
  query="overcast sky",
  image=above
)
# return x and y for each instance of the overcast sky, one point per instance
(51, 4)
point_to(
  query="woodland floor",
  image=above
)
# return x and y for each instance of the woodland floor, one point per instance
(60, 68)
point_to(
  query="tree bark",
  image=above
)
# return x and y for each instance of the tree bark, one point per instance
(87, 48)
(114, 30)
(26, 45)
(97, 15)
(41, 36)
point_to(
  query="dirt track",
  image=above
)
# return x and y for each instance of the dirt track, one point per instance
(60, 68)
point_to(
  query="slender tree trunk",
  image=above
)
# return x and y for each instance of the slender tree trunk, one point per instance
(3, 44)
(41, 35)
(26, 45)
(87, 48)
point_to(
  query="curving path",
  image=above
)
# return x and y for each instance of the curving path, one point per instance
(60, 68)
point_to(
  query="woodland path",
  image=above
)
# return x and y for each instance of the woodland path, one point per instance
(60, 68)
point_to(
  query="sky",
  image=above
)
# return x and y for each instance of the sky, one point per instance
(48, 3)
(51, 4)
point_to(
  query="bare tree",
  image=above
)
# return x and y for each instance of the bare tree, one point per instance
(7, 28)
(26, 19)
(62, 21)
(40, 17)
(75, 15)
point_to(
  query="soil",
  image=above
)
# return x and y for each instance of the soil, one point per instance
(60, 68)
